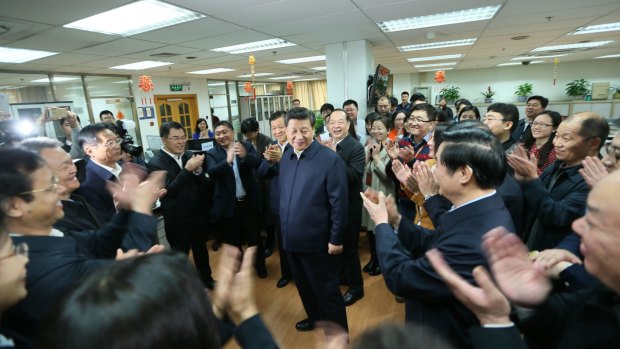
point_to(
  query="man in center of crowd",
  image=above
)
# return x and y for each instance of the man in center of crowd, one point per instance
(313, 214)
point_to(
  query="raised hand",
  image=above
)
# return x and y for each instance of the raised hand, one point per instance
(195, 162)
(378, 211)
(525, 168)
(424, 179)
(240, 150)
(401, 171)
(230, 154)
(393, 151)
(593, 170)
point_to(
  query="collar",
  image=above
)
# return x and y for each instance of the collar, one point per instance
(174, 156)
(116, 170)
(474, 200)
(53, 232)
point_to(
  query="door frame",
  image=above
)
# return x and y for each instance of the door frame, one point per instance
(194, 104)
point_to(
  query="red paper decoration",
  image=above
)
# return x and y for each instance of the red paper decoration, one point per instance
(440, 76)
(289, 88)
(145, 83)
(247, 87)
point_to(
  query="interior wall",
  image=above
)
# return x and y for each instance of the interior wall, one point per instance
(505, 79)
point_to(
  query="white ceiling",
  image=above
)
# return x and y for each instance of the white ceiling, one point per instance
(310, 24)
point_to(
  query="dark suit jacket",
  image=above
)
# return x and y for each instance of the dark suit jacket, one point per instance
(250, 334)
(553, 210)
(94, 191)
(352, 154)
(272, 172)
(409, 274)
(78, 216)
(184, 199)
(518, 131)
(222, 173)
(56, 264)
(313, 199)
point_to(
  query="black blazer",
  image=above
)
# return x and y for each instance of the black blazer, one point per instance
(224, 198)
(352, 153)
(94, 190)
(184, 199)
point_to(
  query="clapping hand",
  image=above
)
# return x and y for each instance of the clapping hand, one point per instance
(593, 170)
(240, 150)
(195, 162)
(525, 168)
(424, 179)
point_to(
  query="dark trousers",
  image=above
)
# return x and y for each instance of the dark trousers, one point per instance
(316, 277)
(285, 269)
(352, 270)
(183, 235)
(243, 228)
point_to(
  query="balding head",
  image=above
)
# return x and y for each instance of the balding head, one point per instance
(593, 126)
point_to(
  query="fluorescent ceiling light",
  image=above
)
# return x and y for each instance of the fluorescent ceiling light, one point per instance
(435, 58)
(211, 71)
(254, 46)
(257, 74)
(217, 84)
(319, 68)
(55, 79)
(462, 16)
(436, 69)
(518, 63)
(441, 44)
(285, 77)
(572, 46)
(527, 58)
(302, 60)
(134, 18)
(608, 56)
(141, 65)
(19, 55)
(599, 28)
(313, 79)
(434, 65)
(122, 82)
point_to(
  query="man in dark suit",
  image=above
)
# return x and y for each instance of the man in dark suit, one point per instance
(57, 260)
(182, 206)
(470, 164)
(533, 107)
(313, 213)
(103, 147)
(236, 199)
(270, 169)
(352, 154)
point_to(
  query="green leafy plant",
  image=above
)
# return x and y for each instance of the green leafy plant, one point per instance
(577, 88)
(525, 89)
(488, 93)
(450, 93)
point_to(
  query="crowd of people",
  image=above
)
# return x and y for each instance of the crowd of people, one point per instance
(494, 230)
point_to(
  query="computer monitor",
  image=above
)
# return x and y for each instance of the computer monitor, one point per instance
(200, 146)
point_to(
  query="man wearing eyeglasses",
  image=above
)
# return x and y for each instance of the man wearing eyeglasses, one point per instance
(534, 106)
(183, 206)
(103, 147)
(502, 119)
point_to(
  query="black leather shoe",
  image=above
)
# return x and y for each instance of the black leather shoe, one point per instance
(262, 273)
(399, 299)
(283, 282)
(375, 271)
(304, 325)
(350, 297)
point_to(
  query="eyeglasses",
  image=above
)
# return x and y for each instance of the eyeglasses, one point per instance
(535, 124)
(52, 188)
(20, 249)
(176, 139)
(418, 120)
(111, 143)
(495, 119)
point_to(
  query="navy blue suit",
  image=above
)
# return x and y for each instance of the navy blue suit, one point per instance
(313, 213)
(409, 274)
(94, 191)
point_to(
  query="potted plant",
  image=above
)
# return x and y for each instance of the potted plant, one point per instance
(617, 93)
(488, 95)
(450, 93)
(577, 89)
(523, 91)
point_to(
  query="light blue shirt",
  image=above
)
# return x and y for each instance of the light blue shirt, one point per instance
(239, 190)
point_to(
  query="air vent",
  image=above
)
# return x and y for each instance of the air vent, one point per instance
(165, 54)
(306, 73)
(520, 37)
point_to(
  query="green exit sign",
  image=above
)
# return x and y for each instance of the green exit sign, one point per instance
(176, 88)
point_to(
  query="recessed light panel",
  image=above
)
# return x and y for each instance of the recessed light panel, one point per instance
(434, 65)
(135, 18)
(436, 69)
(462, 16)
(256, 75)
(211, 71)
(141, 65)
(572, 46)
(599, 28)
(254, 46)
(435, 58)
(434, 45)
(608, 56)
(55, 79)
(285, 77)
(19, 55)
(302, 60)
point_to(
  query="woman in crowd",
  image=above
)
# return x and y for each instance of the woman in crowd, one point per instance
(399, 126)
(540, 145)
(202, 130)
(375, 177)
(469, 112)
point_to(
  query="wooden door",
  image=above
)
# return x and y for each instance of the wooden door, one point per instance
(180, 108)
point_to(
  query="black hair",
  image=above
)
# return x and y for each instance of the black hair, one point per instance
(327, 106)
(88, 134)
(151, 301)
(404, 93)
(556, 119)
(444, 115)
(164, 129)
(352, 130)
(350, 101)
(16, 168)
(461, 101)
(105, 112)
(417, 97)
(469, 108)
(295, 100)
(440, 128)
(249, 125)
(431, 111)
(476, 147)
(509, 113)
(223, 123)
(393, 101)
(197, 129)
(276, 115)
(38, 144)
(594, 126)
(370, 118)
(387, 122)
(543, 101)
(300, 113)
